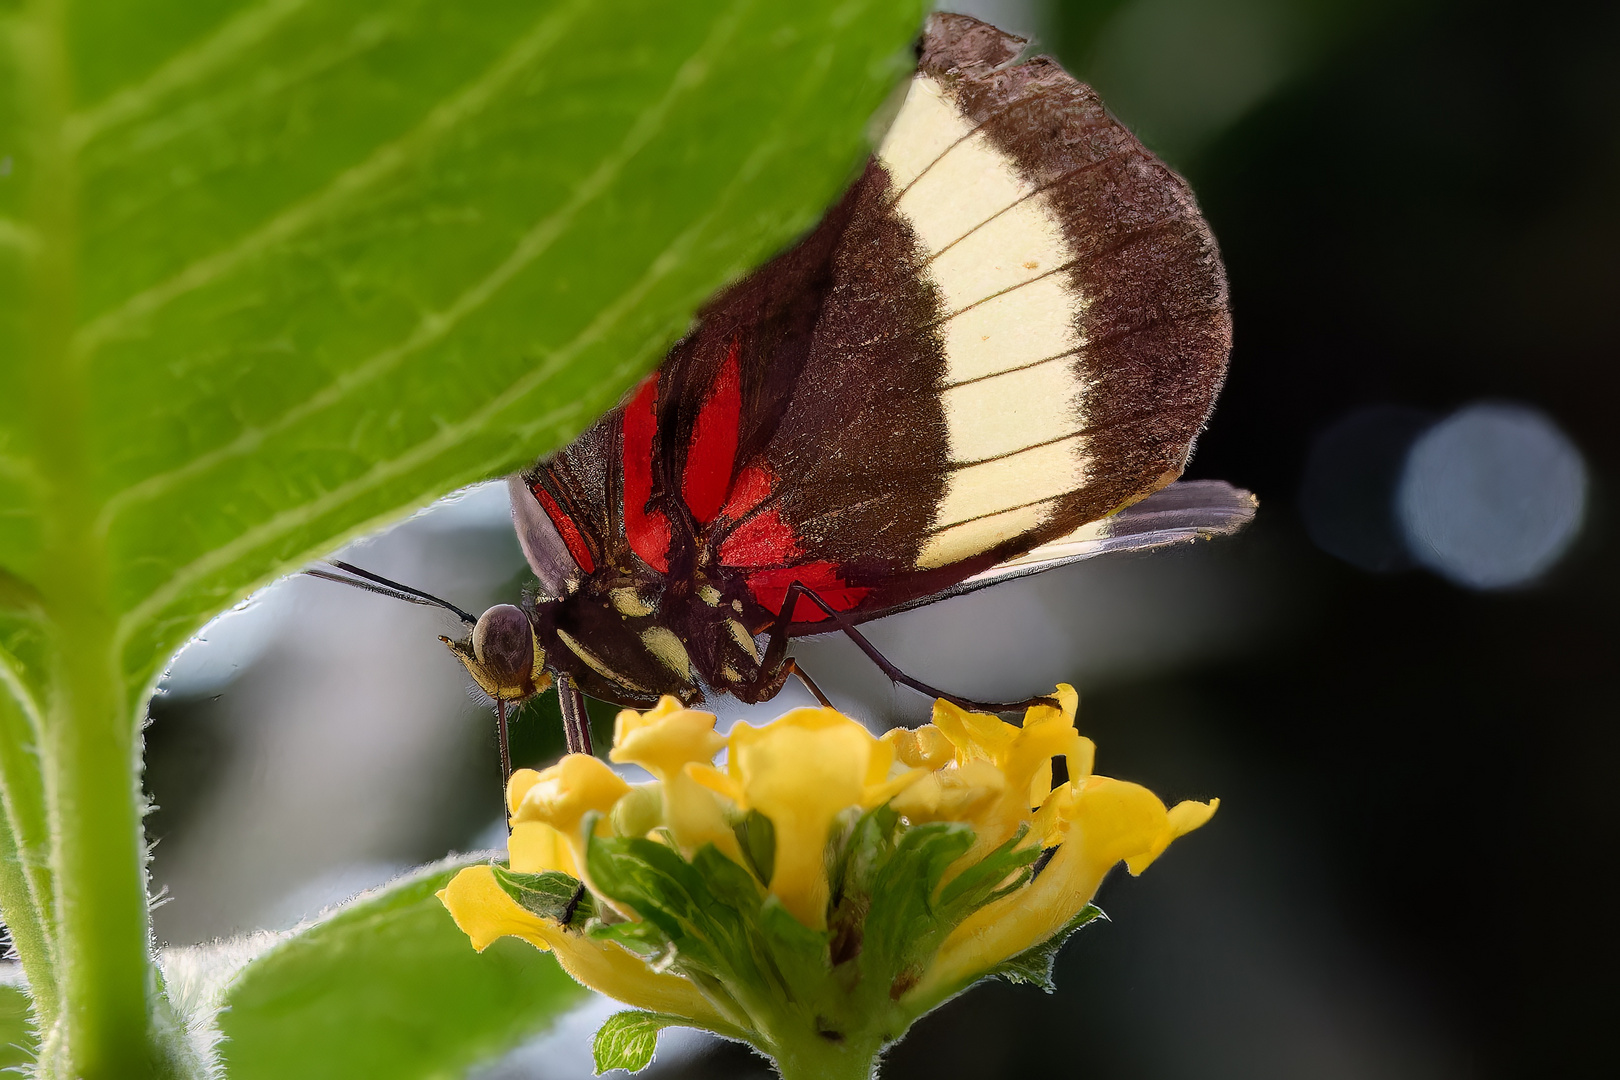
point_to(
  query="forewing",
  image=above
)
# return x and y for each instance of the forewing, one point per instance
(1013, 324)
(1023, 328)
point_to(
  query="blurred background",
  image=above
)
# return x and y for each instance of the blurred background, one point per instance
(1394, 680)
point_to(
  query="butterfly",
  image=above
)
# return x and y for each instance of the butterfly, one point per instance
(991, 357)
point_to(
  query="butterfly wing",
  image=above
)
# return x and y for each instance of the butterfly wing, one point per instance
(1023, 327)
(1013, 324)
(1184, 512)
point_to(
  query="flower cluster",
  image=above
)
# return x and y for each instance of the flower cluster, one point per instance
(824, 888)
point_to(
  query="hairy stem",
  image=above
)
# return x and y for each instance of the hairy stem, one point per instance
(111, 1019)
(817, 1058)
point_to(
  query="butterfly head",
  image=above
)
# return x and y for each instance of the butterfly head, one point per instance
(503, 654)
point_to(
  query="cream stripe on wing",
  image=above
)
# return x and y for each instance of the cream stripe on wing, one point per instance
(970, 184)
(971, 537)
(1012, 392)
(1017, 245)
(1008, 412)
(1030, 323)
(989, 487)
(928, 125)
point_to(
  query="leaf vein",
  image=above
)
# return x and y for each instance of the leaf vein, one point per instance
(384, 162)
(219, 51)
(435, 325)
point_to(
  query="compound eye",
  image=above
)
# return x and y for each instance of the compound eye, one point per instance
(504, 645)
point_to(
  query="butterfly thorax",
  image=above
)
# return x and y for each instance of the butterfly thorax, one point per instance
(630, 639)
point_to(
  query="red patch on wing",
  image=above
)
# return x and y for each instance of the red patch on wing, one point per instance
(751, 488)
(764, 540)
(648, 533)
(713, 452)
(766, 543)
(822, 578)
(566, 527)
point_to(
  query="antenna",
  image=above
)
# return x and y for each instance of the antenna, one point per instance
(384, 587)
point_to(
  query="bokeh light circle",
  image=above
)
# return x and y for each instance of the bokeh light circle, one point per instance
(1492, 496)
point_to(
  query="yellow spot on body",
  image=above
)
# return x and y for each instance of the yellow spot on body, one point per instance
(744, 640)
(595, 663)
(628, 602)
(709, 595)
(663, 644)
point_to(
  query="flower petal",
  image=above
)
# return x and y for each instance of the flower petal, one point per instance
(562, 795)
(801, 772)
(517, 787)
(1095, 826)
(1182, 819)
(485, 913)
(664, 741)
(535, 847)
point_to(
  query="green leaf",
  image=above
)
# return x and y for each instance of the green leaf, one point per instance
(333, 260)
(388, 986)
(276, 272)
(551, 895)
(1034, 965)
(627, 1040)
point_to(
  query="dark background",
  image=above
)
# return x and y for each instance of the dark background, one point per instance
(1417, 206)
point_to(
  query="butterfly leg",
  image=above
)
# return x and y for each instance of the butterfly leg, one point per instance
(506, 746)
(776, 650)
(803, 676)
(576, 721)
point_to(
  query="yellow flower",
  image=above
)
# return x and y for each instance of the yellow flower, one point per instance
(931, 834)
(664, 740)
(990, 773)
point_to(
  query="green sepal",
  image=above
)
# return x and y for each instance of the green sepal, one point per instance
(19, 1040)
(551, 895)
(904, 925)
(797, 952)
(674, 896)
(1034, 965)
(756, 835)
(987, 880)
(644, 939)
(628, 1039)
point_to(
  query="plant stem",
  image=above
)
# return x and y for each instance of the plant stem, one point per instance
(815, 1058)
(109, 1024)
